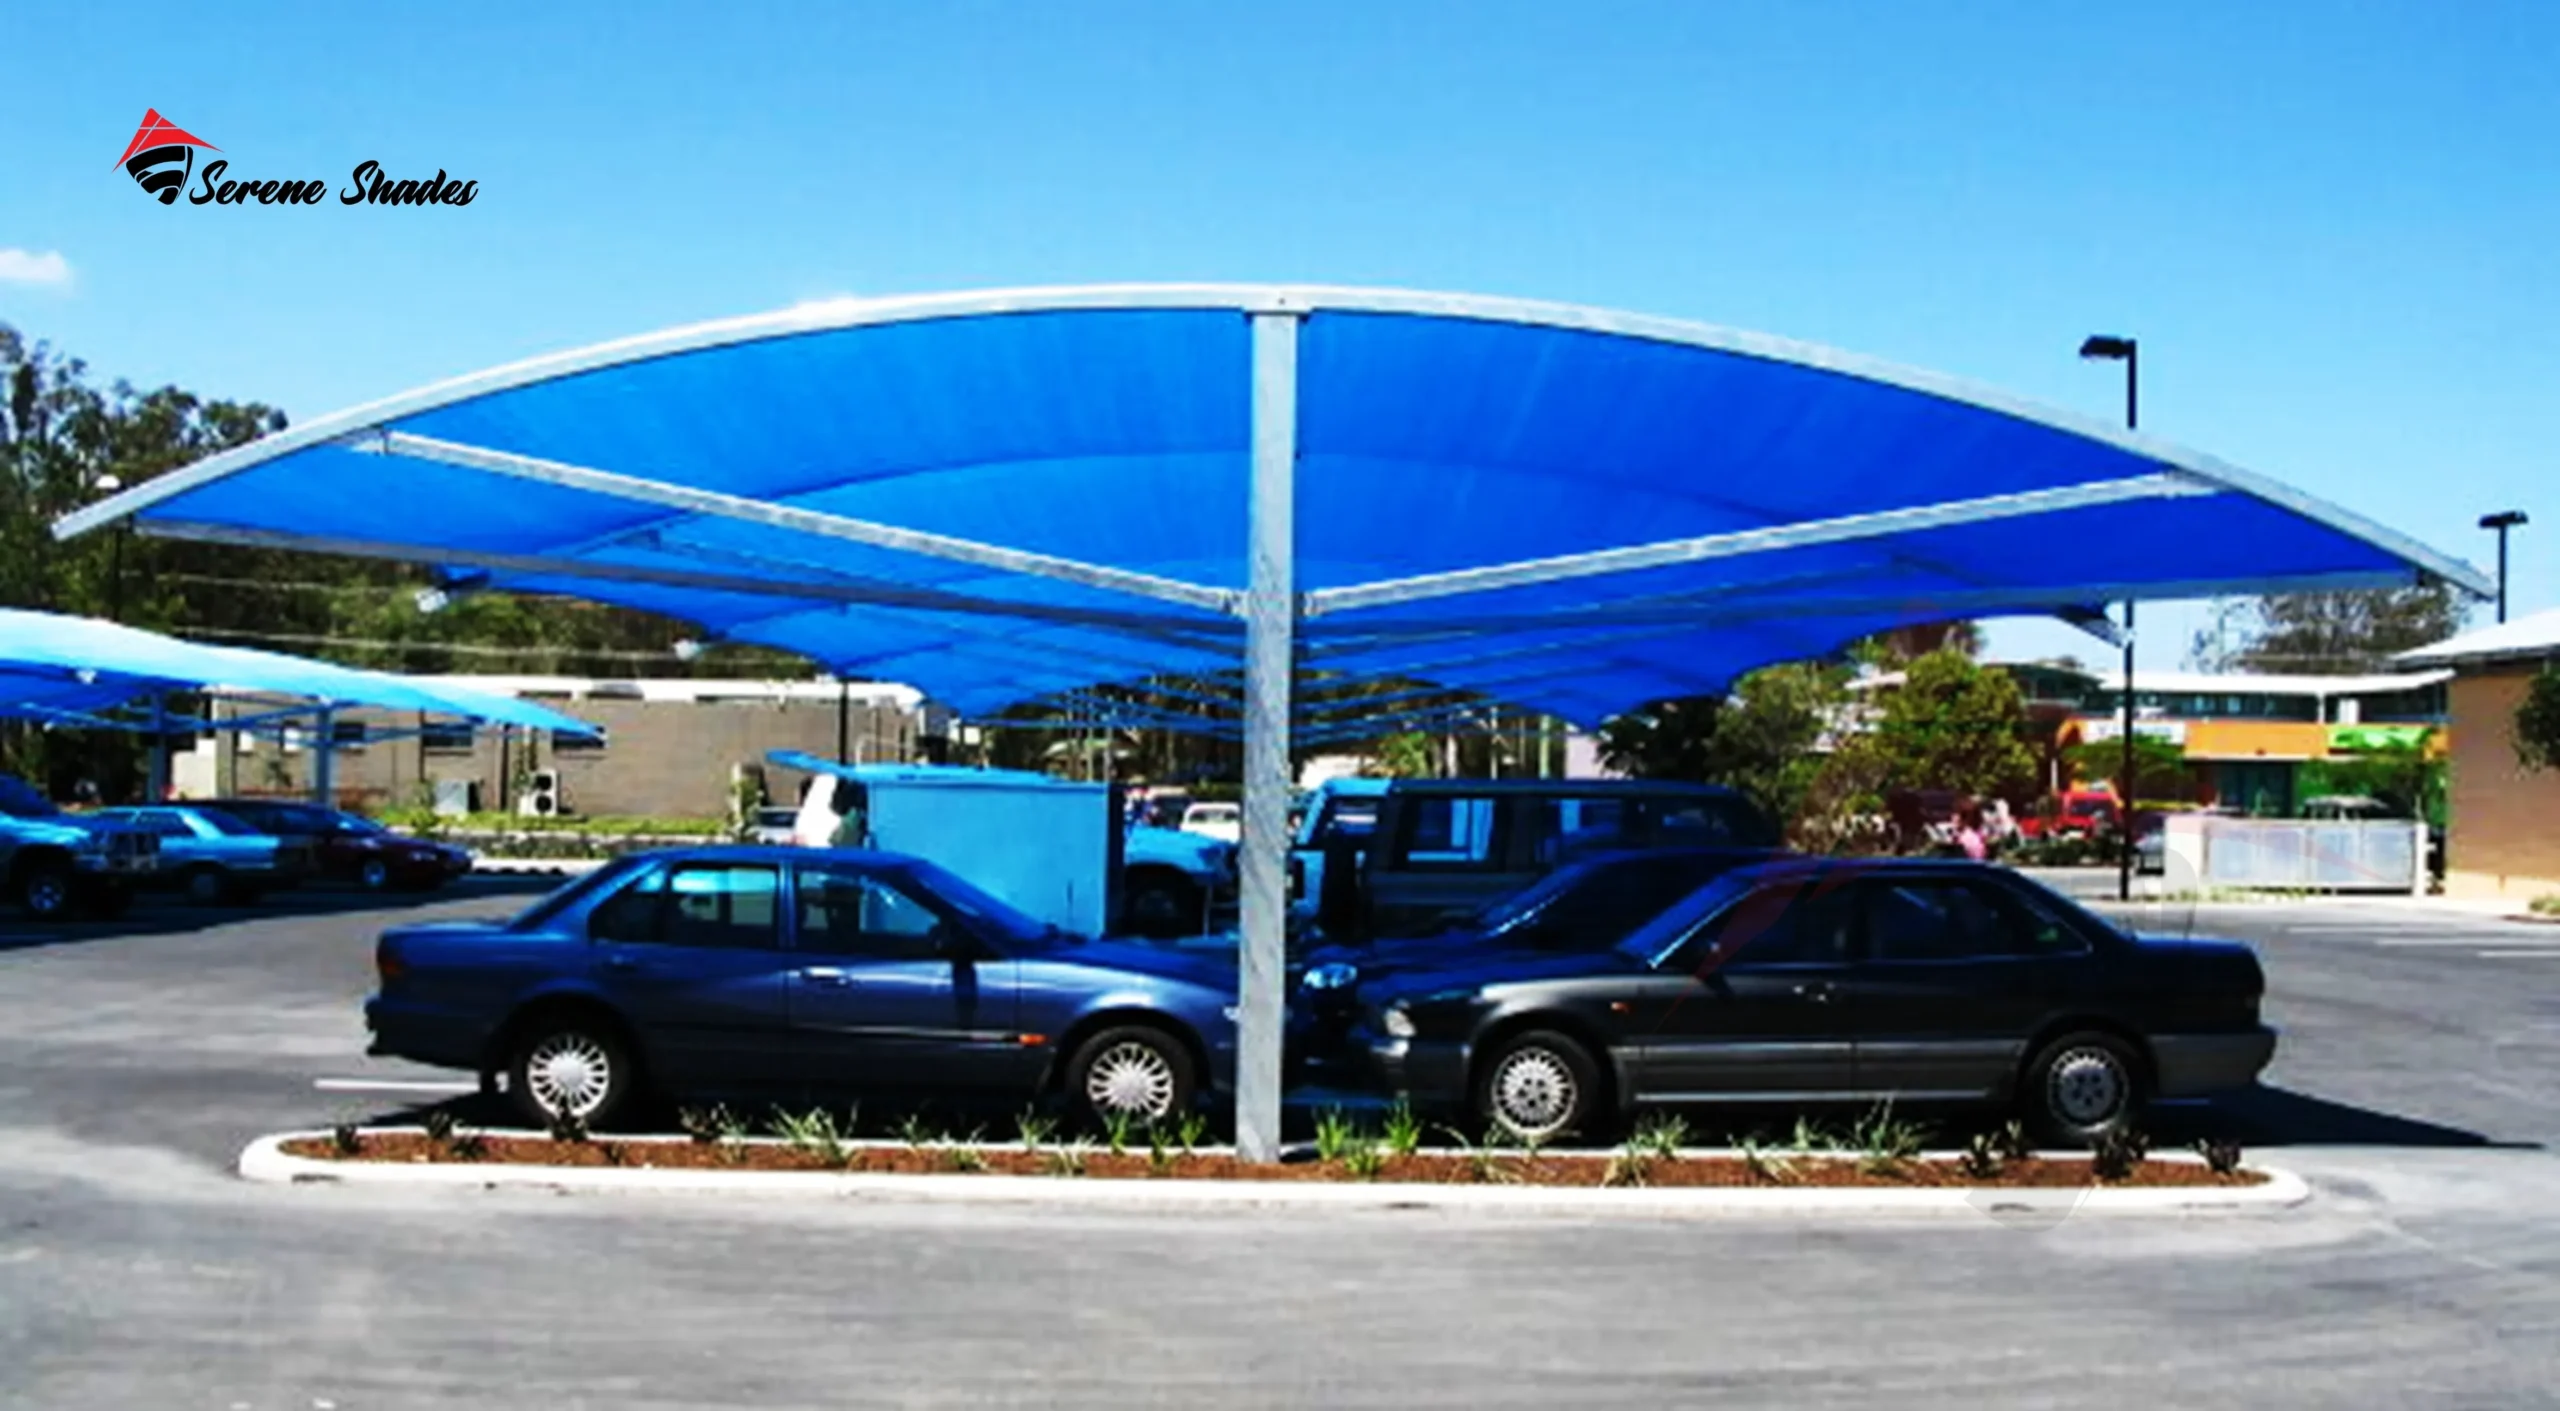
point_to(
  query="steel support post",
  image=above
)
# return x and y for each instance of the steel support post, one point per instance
(324, 758)
(1270, 616)
(156, 785)
(2124, 805)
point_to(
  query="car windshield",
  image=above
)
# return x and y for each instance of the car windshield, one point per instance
(966, 899)
(552, 904)
(1648, 942)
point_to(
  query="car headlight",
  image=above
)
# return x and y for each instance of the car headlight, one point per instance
(1397, 1023)
(1333, 975)
(1234, 1013)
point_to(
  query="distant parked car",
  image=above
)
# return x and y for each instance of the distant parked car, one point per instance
(1222, 821)
(53, 863)
(1334, 820)
(1443, 847)
(760, 972)
(215, 857)
(1818, 980)
(351, 848)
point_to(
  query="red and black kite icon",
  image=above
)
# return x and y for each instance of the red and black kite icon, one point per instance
(162, 155)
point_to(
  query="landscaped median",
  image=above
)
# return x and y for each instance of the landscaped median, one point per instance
(1662, 1178)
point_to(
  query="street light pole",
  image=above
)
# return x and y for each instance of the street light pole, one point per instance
(2501, 522)
(2109, 348)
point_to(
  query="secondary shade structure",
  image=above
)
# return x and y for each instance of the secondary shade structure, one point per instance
(69, 669)
(1001, 495)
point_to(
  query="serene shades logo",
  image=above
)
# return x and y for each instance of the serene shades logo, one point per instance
(162, 156)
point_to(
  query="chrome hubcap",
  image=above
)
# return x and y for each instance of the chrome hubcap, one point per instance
(1132, 1078)
(1533, 1092)
(568, 1074)
(47, 895)
(2088, 1086)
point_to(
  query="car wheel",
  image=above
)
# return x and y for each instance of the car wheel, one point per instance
(2083, 1087)
(571, 1066)
(205, 886)
(375, 875)
(45, 891)
(1162, 907)
(1538, 1086)
(1135, 1073)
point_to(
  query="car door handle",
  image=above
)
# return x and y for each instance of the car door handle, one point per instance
(826, 975)
(1814, 992)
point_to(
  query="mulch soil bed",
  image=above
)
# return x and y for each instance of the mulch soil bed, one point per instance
(1434, 1168)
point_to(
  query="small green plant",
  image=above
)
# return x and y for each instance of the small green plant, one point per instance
(1661, 1137)
(1117, 1126)
(703, 1124)
(347, 1139)
(439, 1125)
(2118, 1154)
(964, 1158)
(1481, 1161)
(1190, 1132)
(917, 1133)
(1403, 1129)
(1336, 1135)
(1033, 1130)
(1810, 1135)
(815, 1132)
(1884, 1142)
(1070, 1159)
(569, 1127)
(1631, 1165)
(1982, 1160)
(2546, 905)
(1763, 1165)
(2220, 1157)
(614, 1153)
(469, 1146)
(1364, 1161)
(1161, 1152)
(2013, 1142)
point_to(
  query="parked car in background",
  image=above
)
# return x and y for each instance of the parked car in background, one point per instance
(1222, 821)
(759, 972)
(351, 848)
(1812, 980)
(53, 864)
(1335, 820)
(1443, 847)
(213, 857)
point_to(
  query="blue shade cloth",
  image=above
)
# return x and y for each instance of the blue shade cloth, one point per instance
(60, 668)
(1113, 427)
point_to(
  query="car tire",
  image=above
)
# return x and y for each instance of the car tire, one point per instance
(2082, 1087)
(374, 875)
(204, 886)
(47, 890)
(1538, 1086)
(570, 1065)
(1161, 906)
(1135, 1071)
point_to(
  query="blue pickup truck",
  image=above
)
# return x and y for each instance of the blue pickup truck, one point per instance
(54, 864)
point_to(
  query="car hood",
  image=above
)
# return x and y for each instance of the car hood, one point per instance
(1214, 968)
(1480, 969)
(64, 830)
(1168, 847)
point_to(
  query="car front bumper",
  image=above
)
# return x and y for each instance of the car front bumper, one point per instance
(1427, 1073)
(2193, 1065)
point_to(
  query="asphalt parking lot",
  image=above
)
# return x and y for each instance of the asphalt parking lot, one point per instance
(2413, 1087)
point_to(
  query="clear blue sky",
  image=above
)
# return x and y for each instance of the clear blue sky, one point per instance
(2332, 226)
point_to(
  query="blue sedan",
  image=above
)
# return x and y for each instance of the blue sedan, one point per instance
(214, 857)
(771, 971)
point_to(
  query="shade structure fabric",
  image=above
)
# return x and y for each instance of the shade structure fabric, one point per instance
(996, 496)
(54, 667)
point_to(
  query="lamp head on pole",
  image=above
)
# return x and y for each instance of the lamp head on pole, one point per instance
(2107, 346)
(2504, 519)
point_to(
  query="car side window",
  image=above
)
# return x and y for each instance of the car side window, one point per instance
(164, 823)
(1938, 920)
(721, 906)
(1450, 834)
(844, 911)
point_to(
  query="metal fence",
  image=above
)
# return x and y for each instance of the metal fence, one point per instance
(2361, 856)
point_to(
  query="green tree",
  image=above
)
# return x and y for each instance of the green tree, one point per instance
(2159, 768)
(2338, 633)
(1760, 739)
(2537, 724)
(1952, 724)
(2407, 776)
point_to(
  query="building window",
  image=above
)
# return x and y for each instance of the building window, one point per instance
(445, 738)
(347, 734)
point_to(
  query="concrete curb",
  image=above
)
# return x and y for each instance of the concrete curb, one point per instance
(265, 1161)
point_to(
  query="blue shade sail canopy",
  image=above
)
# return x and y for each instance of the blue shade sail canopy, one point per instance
(61, 668)
(1000, 496)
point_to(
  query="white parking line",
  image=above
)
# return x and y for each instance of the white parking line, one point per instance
(2514, 954)
(393, 1085)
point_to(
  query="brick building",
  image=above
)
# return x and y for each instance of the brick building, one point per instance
(670, 746)
(2503, 829)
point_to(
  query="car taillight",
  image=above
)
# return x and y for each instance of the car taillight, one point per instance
(387, 962)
